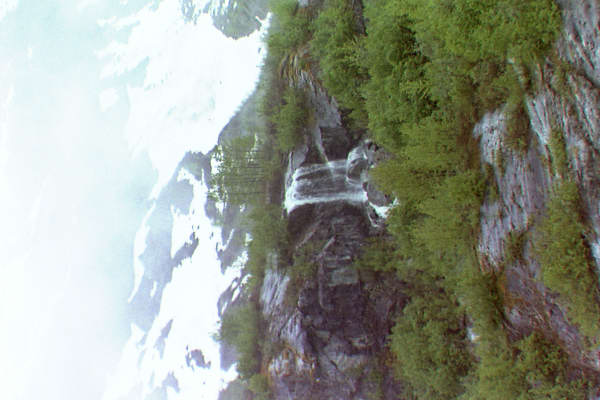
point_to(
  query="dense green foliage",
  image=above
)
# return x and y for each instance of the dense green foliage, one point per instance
(243, 170)
(289, 29)
(290, 120)
(517, 126)
(335, 44)
(396, 93)
(429, 343)
(419, 74)
(269, 241)
(514, 245)
(544, 367)
(241, 327)
(566, 260)
(535, 369)
(424, 73)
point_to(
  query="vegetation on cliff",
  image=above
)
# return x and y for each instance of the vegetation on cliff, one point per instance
(250, 173)
(567, 266)
(419, 75)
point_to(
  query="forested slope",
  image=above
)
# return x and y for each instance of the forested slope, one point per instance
(479, 123)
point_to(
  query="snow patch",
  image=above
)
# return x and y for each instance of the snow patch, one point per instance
(108, 98)
(139, 246)
(190, 90)
(7, 6)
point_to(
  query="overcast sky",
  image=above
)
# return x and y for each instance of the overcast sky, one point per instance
(99, 100)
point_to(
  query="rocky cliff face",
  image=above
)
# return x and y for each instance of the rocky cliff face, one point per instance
(330, 329)
(566, 104)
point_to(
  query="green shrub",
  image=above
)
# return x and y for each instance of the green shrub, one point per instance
(268, 230)
(500, 162)
(558, 152)
(286, 41)
(486, 30)
(289, 28)
(337, 48)
(560, 80)
(492, 191)
(259, 386)
(517, 126)
(544, 366)
(379, 254)
(479, 294)
(565, 259)
(240, 327)
(453, 214)
(397, 91)
(496, 377)
(530, 369)
(242, 171)
(514, 245)
(429, 343)
(291, 119)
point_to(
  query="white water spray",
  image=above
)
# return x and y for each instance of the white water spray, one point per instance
(327, 182)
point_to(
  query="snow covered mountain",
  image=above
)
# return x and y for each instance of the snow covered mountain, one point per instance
(179, 279)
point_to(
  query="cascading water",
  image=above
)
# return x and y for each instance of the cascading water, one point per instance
(339, 180)
(319, 183)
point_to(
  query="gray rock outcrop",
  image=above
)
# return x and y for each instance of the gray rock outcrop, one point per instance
(566, 104)
(328, 330)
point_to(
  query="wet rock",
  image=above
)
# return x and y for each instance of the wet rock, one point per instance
(357, 163)
(344, 276)
(336, 142)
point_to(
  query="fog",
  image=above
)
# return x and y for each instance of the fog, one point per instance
(99, 101)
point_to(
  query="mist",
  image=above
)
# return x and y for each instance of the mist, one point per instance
(97, 106)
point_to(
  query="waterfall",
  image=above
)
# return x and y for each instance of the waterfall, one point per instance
(339, 180)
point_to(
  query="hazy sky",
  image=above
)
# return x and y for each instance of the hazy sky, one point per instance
(99, 100)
